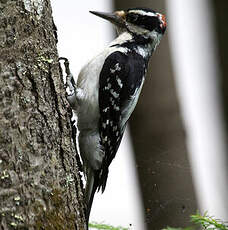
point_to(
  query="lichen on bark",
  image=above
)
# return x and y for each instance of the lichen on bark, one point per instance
(40, 186)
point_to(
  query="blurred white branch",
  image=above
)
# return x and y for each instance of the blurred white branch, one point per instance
(194, 54)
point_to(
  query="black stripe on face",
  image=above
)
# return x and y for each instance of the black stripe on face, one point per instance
(144, 21)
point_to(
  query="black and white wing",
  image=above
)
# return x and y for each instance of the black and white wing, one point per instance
(120, 84)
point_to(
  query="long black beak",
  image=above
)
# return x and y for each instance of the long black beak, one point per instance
(116, 18)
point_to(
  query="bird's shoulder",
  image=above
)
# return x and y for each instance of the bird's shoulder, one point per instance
(123, 71)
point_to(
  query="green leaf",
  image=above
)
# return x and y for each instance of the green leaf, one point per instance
(209, 222)
(105, 227)
(169, 228)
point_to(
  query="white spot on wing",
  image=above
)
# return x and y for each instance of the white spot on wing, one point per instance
(119, 82)
(116, 68)
(106, 109)
(117, 108)
(114, 94)
(112, 101)
(108, 86)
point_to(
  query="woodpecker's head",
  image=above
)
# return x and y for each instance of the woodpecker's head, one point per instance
(139, 21)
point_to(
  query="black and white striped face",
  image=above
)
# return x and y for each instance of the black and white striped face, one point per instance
(144, 20)
(140, 21)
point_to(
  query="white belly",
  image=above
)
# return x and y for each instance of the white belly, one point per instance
(88, 109)
(88, 82)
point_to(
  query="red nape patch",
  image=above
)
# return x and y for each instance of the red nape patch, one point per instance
(164, 20)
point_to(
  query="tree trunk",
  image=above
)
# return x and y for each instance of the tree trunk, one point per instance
(40, 186)
(220, 9)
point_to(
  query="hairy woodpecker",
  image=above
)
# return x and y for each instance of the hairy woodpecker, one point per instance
(108, 89)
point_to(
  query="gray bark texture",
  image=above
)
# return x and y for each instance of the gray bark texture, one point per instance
(40, 184)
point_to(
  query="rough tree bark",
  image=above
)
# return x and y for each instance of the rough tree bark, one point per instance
(40, 185)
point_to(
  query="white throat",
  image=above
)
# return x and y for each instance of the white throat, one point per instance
(122, 38)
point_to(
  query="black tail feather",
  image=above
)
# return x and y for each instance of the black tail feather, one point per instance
(89, 197)
(98, 182)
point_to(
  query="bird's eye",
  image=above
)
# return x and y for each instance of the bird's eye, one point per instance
(132, 17)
